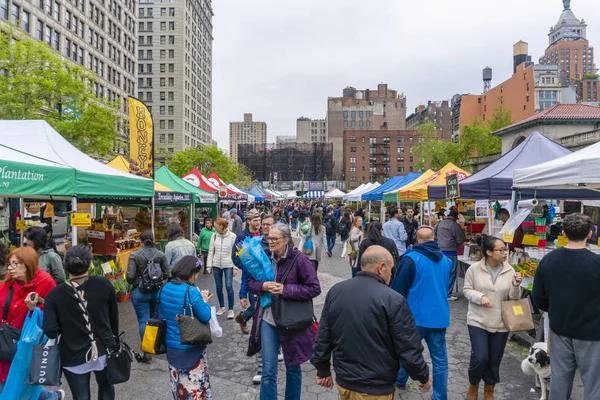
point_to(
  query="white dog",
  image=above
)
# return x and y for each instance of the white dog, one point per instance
(537, 364)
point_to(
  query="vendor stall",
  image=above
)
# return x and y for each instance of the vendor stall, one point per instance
(356, 194)
(313, 194)
(335, 194)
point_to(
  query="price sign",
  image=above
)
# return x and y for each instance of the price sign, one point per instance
(531, 240)
(106, 268)
(21, 225)
(81, 219)
(508, 238)
(562, 241)
(452, 187)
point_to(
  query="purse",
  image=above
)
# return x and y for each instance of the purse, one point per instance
(292, 315)
(351, 251)
(307, 248)
(45, 368)
(9, 335)
(155, 335)
(516, 315)
(191, 329)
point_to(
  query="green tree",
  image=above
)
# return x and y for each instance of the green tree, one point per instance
(502, 117)
(37, 83)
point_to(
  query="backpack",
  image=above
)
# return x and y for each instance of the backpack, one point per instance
(328, 225)
(344, 227)
(151, 278)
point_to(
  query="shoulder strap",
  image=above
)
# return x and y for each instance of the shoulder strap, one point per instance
(289, 269)
(189, 302)
(6, 307)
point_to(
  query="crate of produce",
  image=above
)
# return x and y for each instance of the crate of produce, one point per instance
(542, 243)
(541, 235)
(540, 221)
(539, 228)
(474, 227)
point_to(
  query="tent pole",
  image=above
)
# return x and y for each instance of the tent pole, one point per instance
(152, 215)
(421, 212)
(191, 222)
(73, 228)
(22, 214)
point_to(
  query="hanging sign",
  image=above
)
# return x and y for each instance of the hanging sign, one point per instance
(222, 191)
(81, 219)
(21, 225)
(531, 240)
(452, 187)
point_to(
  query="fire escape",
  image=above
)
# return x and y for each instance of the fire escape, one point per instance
(379, 159)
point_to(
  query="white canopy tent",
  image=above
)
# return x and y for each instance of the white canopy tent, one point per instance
(356, 195)
(289, 194)
(251, 198)
(335, 194)
(355, 190)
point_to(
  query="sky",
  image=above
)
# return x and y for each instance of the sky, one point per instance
(281, 59)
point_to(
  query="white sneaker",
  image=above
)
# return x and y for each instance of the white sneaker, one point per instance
(256, 379)
(230, 315)
(452, 298)
(280, 357)
(221, 311)
(60, 394)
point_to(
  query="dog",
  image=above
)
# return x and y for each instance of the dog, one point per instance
(537, 364)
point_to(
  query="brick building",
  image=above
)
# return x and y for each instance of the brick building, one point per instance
(438, 112)
(378, 155)
(362, 110)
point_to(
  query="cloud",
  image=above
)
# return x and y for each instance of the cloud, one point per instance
(281, 59)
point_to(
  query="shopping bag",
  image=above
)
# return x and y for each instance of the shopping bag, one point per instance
(516, 315)
(215, 328)
(344, 249)
(45, 368)
(257, 264)
(15, 387)
(155, 336)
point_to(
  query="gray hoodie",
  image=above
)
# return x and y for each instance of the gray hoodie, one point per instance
(50, 262)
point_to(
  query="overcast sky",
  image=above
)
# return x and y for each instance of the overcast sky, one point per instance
(281, 59)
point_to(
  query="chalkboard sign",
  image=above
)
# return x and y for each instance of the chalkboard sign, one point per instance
(452, 187)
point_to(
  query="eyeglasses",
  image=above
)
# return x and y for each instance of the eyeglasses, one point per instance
(13, 264)
(503, 250)
(271, 239)
(266, 225)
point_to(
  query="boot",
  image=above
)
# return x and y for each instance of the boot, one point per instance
(488, 392)
(472, 392)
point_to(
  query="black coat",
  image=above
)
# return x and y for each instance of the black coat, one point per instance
(411, 229)
(369, 330)
(384, 242)
(330, 219)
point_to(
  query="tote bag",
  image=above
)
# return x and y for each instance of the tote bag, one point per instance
(516, 315)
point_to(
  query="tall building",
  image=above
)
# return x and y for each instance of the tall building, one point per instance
(246, 132)
(571, 51)
(362, 110)
(96, 34)
(175, 70)
(311, 130)
(438, 112)
(285, 139)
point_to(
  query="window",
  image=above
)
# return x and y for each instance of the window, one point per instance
(171, 53)
(353, 139)
(345, 114)
(400, 159)
(360, 123)
(368, 114)
(162, 126)
(163, 26)
(171, 67)
(171, 12)
(163, 54)
(353, 124)
(162, 96)
(39, 30)
(353, 179)
(68, 19)
(171, 82)
(372, 150)
(410, 159)
(368, 123)
(345, 124)
(4, 9)
(163, 110)
(352, 160)
(68, 48)
(48, 34)
(171, 96)
(401, 139)
(400, 149)
(171, 39)
(56, 40)
(150, 12)
(171, 110)
(163, 82)
(163, 40)
(372, 140)
(171, 126)
(360, 114)
(163, 68)
(352, 169)
(171, 26)
(57, 11)
(25, 21)
(400, 169)
(353, 114)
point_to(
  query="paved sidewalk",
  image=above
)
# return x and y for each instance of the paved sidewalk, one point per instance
(231, 371)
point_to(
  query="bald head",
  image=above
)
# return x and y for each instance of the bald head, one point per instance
(425, 234)
(378, 260)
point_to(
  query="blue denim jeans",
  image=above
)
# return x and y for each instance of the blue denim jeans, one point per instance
(436, 343)
(268, 384)
(45, 395)
(248, 313)
(330, 243)
(453, 273)
(218, 273)
(144, 305)
(294, 223)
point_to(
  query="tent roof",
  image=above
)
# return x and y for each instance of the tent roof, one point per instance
(169, 179)
(580, 169)
(417, 190)
(356, 195)
(120, 163)
(93, 179)
(257, 196)
(196, 178)
(496, 180)
(250, 198)
(262, 192)
(334, 194)
(313, 194)
(395, 182)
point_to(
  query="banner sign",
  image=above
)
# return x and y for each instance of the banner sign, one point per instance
(141, 139)
(452, 187)
(172, 198)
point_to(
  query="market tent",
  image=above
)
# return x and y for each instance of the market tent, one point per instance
(335, 194)
(290, 194)
(395, 182)
(357, 195)
(496, 180)
(417, 190)
(196, 178)
(231, 194)
(261, 192)
(92, 179)
(25, 175)
(392, 196)
(241, 194)
(257, 196)
(580, 169)
(164, 176)
(313, 194)
(354, 191)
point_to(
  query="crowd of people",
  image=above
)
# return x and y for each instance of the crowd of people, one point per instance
(403, 277)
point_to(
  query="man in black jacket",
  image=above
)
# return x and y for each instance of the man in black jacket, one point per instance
(331, 226)
(410, 225)
(370, 331)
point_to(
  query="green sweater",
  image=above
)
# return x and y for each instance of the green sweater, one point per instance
(204, 239)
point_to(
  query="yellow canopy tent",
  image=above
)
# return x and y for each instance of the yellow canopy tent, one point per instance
(417, 190)
(122, 164)
(393, 195)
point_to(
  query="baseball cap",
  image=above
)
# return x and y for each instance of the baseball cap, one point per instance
(252, 214)
(233, 210)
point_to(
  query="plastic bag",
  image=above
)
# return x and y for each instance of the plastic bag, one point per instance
(15, 387)
(344, 249)
(215, 328)
(257, 264)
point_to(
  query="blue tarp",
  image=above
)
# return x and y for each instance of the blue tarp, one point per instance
(394, 183)
(495, 181)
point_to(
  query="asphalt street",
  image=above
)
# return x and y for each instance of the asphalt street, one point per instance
(231, 371)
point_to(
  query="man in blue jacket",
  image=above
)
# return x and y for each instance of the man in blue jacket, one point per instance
(423, 279)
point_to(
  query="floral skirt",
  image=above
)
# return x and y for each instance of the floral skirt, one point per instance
(191, 383)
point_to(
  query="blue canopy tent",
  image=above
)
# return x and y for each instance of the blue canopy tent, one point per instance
(313, 194)
(394, 183)
(257, 190)
(257, 197)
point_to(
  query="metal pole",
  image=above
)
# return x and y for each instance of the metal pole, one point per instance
(73, 228)
(153, 215)
(22, 214)
(191, 221)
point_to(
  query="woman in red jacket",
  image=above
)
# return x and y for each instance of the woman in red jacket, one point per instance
(23, 278)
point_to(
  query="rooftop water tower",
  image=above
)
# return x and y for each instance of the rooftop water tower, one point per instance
(487, 79)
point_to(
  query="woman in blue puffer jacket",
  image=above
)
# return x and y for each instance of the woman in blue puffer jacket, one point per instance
(188, 366)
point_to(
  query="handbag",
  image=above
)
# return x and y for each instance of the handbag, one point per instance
(191, 329)
(155, 335)
(9, 335)
(45, 368)
(516, 315)
(292, 315)
(307, 247)
(351, 252)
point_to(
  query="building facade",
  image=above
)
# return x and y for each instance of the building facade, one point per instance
(175, 70)
(378, 155)
(285, 139)
(362, 110)
(438, 112)
(96, 34)
(311, 130)
(248, 132)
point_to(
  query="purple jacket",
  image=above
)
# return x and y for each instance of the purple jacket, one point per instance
(301, 284)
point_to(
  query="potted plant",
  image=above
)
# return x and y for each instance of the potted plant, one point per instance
(122, 289)
(118, 270)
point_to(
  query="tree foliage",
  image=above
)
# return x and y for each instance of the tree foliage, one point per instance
(209, 159)
(475, 140)
(37, 83)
